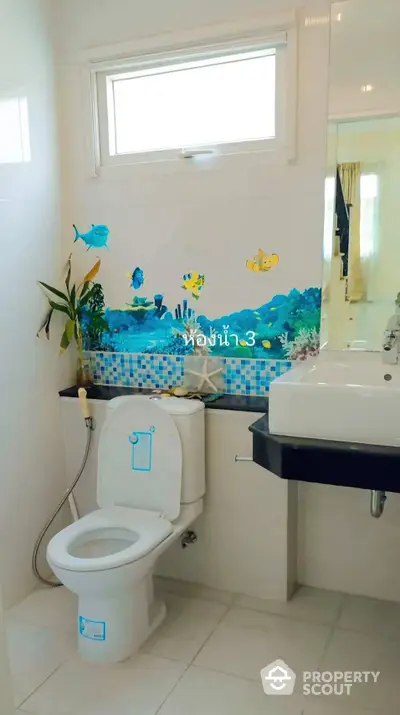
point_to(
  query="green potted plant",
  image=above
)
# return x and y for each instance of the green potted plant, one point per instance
(71, 303)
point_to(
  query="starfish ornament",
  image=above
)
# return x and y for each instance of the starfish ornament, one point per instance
(205, 376)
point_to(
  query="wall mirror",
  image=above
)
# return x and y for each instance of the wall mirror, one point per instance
(361, 245)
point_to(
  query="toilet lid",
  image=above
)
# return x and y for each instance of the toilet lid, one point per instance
(140, 457)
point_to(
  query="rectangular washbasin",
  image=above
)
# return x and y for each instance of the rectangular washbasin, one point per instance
(348, 396)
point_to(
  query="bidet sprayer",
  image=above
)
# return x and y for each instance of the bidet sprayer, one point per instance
(82, 394)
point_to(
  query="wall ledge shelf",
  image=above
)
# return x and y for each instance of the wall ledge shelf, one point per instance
(237, 403)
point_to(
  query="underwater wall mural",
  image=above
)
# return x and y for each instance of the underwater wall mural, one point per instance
(286, 327)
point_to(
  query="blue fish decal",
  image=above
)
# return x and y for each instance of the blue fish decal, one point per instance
(97, 237)
(137, 278)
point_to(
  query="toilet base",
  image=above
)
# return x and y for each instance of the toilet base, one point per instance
(113, 629)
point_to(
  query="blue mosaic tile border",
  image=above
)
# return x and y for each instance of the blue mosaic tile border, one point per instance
(243, 376)
(252, 377)
(130, 370)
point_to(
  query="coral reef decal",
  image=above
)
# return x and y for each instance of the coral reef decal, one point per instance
(287, 327)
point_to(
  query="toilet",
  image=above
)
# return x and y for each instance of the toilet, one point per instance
(150, 488)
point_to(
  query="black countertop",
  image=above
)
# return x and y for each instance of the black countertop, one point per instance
(238, 403)
(347, 464)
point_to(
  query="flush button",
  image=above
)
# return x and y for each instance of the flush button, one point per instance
(387, 377)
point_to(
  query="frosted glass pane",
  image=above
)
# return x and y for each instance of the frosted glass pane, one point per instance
(369, 186)
(218, 103)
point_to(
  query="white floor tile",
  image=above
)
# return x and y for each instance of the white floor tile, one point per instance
(189, 623)
(234, 644)
(204, 692)
(34, 654)
(192, 590)
(361, 652)
(246, 641)
(136, 687)
(330, 706)
(308, 604)
(368, 615)
(48, 607)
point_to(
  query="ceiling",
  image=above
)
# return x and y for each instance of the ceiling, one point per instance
(365, 52)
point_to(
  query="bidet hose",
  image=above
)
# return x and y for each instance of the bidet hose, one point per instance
(54, 584)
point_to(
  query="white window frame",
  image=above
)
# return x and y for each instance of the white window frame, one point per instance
(282, 145)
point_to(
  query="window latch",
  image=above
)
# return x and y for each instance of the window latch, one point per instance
(192, 153)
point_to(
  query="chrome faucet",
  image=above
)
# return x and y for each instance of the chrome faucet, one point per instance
(391, 337)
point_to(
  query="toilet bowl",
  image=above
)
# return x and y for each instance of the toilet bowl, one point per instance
(107, 557)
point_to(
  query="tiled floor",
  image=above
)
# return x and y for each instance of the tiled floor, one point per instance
(207, 656)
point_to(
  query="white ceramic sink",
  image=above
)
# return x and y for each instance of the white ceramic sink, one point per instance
(348, 396)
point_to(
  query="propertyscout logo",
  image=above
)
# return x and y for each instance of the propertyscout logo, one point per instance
(279, 679)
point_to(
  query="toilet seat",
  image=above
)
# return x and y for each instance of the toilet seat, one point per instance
(139, 529)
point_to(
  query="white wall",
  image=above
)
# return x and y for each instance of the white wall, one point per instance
(341, 547)
(174, 217)
(222, 208)
(6, 695)
(32, 469)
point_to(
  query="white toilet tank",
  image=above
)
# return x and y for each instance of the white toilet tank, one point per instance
(188, 416)
(152, 454)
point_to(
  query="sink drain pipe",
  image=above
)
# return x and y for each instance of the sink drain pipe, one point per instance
(378, 499)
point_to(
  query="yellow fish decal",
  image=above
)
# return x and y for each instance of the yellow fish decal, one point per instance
(262, 261)
(194, 283)
(243, 343)
(266, 344)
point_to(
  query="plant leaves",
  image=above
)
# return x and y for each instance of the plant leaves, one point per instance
(85, 298)
(68, 278)
(73, 297)
(85, 288)
(56, 292)
(60, 307)
(93, 272)
(99, 323)
(67, 335)
(78, 336)
(46, 325)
